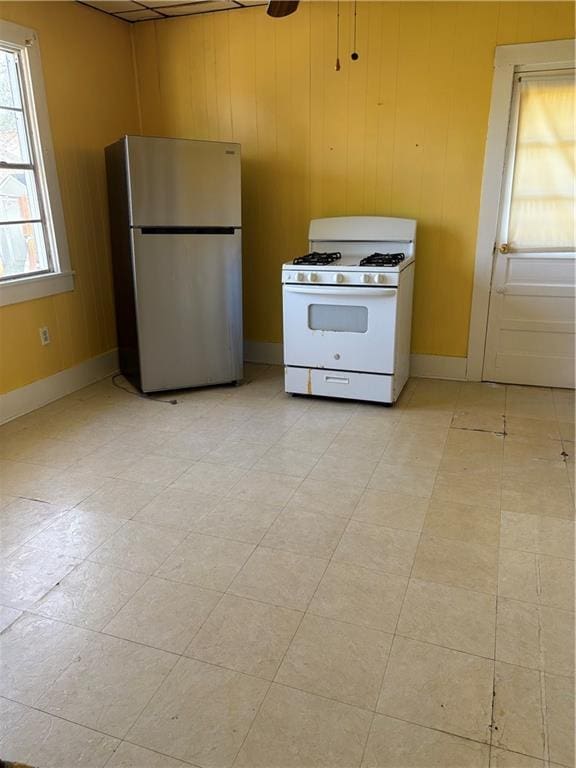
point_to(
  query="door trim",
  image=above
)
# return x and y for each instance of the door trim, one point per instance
(507, 60)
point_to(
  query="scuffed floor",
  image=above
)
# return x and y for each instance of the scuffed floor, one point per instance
(253, 580)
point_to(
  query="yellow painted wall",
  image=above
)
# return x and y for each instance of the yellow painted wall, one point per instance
(91, 94)
(401, 132)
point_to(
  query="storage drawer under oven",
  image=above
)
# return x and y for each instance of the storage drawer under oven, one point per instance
(357, 386)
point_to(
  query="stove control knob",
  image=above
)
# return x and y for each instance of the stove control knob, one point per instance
(299, 277)
(313, 277)
(381, 278)
(366, 278)
(338, 278)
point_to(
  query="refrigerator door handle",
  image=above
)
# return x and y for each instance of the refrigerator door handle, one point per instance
(187, 230)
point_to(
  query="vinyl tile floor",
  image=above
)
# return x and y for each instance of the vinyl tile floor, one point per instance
(251, 580)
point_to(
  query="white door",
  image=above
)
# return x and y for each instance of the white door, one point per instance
(530, 336)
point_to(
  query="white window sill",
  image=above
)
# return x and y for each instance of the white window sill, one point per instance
(35, 287)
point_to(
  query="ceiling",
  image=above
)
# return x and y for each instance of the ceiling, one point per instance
(146, 10)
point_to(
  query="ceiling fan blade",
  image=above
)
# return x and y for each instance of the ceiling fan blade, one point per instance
(279, 8)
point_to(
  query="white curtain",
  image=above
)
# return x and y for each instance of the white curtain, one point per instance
(542, 207)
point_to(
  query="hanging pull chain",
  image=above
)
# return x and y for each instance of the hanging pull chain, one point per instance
(337, 66)
(355, 55)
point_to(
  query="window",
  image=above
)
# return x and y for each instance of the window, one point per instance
(336, 317)
(33, 251)
(542, 194)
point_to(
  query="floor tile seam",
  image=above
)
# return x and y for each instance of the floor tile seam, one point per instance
(44, 528)
(92, 551)
(192, 532)
(448, 733)
(85, 645)
(34, 708)
(301, 479)
(229, 493)
(428, 535)
(75, 567)
(492, 725)
(476, 655)
(366, 740)
(119, 739)
(394, 633)
(140, 588)
(177, 658)
(230, 538)
(149, 749)
(128, 569)
(56, 467)
(544, 715)
(178, 654)
(542, 668)
(89, 640)
(537, 605)
(534, 669)
(163, 482)
(458, 586)
(254, 676)
(33, 464)
(535, 552)
(303, 616)
(545, 763)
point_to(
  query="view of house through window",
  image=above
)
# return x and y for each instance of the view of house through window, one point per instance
(24, 248)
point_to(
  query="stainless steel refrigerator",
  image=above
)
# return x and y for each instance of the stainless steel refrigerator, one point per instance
(175, 222)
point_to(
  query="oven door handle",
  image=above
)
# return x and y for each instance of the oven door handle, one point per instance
(356, 291)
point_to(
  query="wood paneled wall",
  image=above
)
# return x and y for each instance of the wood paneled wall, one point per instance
(400, 132)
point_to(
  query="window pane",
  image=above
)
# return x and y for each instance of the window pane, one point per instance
(9, 85)
(337, 317)
(22, 249)
(18, 198)
(13, 139)
(543, 189)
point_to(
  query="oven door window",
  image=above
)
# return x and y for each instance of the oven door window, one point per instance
(341, 318)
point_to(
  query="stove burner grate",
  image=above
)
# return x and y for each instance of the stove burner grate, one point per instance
(383, 260)
(316, 258)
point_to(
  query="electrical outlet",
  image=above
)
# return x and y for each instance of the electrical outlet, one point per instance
(44, 335)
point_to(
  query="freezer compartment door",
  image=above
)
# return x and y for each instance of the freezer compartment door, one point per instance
(178, 182)
(189, 309)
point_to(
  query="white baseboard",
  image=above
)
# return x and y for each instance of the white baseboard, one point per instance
(263, 352)
(25, 399)
(423, 366)
(438, 367)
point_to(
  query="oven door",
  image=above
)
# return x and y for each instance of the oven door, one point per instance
(347, 328)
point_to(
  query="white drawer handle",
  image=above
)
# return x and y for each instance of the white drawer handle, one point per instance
(336, 380)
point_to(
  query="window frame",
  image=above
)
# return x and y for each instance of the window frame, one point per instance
(60, 278)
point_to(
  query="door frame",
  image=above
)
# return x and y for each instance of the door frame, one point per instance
(507, 60)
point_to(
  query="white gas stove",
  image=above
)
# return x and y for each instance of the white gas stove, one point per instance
(348, 309)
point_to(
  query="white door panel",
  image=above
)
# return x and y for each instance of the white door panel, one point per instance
(531, 336)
